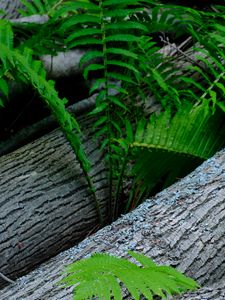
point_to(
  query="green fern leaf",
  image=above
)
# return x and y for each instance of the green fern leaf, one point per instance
(145, 261)
(90, 55)
(173, 145)
(97, 85)
(101, 275)
(83, 32)
(79, 19)
(115, 100)
(193, 82)
(84, 41)
(117, 127)
(100, 108)
(159, 79)
(122, 13)
(121, 38)
(122, 77)
(118, 89)
(220, 86)
(121, 51)
(126, 25)
(92, 67)
(31, 10)
(6, 44)
(100, 121)
(129, 132)
(6, 34)
(4, 87)
(123, 65)
(40, 6)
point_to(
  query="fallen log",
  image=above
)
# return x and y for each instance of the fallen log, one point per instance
(44, 200)
(44, 126)
(10, 7)
(182, 226)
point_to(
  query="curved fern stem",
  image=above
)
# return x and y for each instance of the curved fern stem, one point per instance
(70, 138)
(67, 123)
(119, 186)
(218, 79)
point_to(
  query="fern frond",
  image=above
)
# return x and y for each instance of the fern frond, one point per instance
(122, 77)
(4, 87)
(90, 56)
(6, 34)
(30, 7)
(83, 32)
(101, 274)
(32, 71)
(36, 7)
(122, 13)
(101, 26)
(166, 146)
(126, 25)
(84, 42)
(6, 43)
(121, 38)
(121, 51)
(171, 18)
(79, 19)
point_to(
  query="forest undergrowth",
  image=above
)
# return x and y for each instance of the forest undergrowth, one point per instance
(140, 54)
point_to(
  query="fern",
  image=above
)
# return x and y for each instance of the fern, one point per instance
(101, 25)
(116, 36)
(138, 149)
(166, 146)
(101, 276)
(123, 51)
(32, 71)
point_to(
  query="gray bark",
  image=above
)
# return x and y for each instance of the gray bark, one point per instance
(10, 7)
(64, 64)
(44, 200)
(182, 226)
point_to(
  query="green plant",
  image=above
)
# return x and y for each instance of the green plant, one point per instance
(131, 70)
(139, 148)
(123, 51)
(101, 276)
(23, 66)
(39, 6)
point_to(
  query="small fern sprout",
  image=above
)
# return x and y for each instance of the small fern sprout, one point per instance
(104, 276)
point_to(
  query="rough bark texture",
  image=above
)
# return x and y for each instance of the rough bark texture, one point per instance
(11, 7)
(44, 200)
(64, 64)
(182, 226)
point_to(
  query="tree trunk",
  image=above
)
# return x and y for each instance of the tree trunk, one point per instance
(45, 203)
(182, 226)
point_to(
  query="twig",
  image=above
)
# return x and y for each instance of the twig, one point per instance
(6, 278)
(180, 51)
